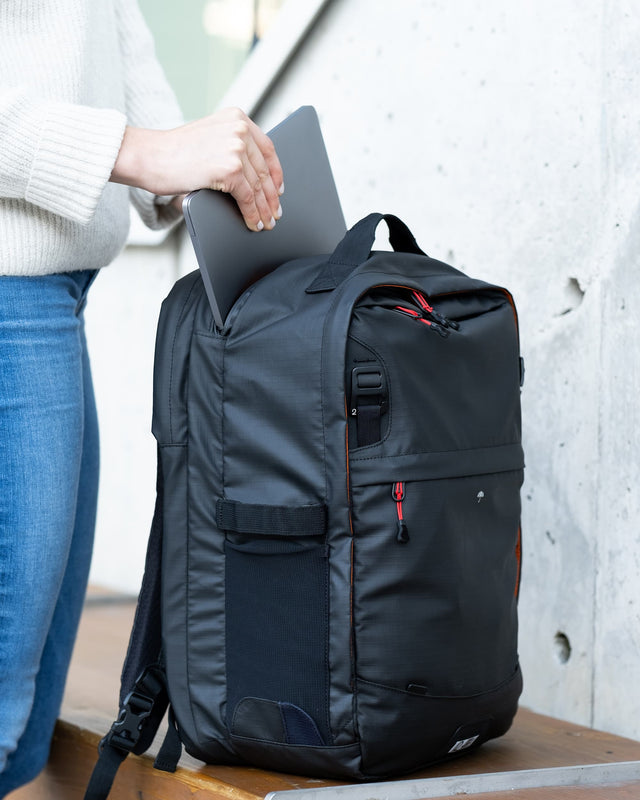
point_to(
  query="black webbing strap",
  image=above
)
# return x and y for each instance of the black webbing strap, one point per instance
(104, 773)
(368, 423)
(171, 750)
(266, 520)
(368, 399)
(133, 731)
(143, 694)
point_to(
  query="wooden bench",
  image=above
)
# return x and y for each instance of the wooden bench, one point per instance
(535, 742)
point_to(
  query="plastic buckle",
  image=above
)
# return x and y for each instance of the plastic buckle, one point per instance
(366, 382)
(125, 731)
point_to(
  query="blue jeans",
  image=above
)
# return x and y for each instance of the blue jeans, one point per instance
(48, 492)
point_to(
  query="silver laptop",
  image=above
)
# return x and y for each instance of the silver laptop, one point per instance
(230, 256)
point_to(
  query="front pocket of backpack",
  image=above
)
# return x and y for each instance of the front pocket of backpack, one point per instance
(436, 567)
(277, 628)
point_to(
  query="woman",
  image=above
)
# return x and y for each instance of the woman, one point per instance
(85, 113)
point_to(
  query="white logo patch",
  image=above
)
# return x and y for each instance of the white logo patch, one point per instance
(462, 744)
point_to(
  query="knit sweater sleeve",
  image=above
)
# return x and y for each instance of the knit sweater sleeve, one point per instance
(56, 155)
(150, 101)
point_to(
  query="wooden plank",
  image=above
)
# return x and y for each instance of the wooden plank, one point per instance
(90, 705)
(73, 756)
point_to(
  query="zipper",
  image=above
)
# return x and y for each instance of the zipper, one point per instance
(434, 326)
(397, 493)
(428, 315)
(432, 314)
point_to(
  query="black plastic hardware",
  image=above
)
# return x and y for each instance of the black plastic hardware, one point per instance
(138, 705)
(366, 382)
(440, 329)
(125, 731)
(435, 316)
(402, 532)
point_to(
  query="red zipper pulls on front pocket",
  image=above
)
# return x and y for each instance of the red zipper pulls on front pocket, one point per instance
(397, 492)
(419, 318)
(421, 300)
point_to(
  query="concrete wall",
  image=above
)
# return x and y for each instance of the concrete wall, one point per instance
(506, 135)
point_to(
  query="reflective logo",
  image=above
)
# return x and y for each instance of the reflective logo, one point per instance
(462, 744)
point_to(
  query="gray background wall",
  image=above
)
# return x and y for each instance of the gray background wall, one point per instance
(506, 135)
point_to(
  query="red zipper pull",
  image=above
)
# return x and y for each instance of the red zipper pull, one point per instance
(421, 300)
(439, 329)
(435, 315)
(410, 311)
(397, 492)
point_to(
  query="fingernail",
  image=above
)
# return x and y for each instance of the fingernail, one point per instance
(279, 212)
(281, 189)
(272, 223)
(260, 225)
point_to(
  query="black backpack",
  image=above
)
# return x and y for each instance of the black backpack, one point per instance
(332, 575)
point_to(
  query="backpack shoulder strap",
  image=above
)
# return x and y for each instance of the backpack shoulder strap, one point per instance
(143, 692)
(145, 641)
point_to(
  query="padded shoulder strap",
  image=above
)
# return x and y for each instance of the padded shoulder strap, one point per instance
(145, 641)
(143, 694)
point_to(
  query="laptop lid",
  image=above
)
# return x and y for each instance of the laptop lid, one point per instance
(230, 256)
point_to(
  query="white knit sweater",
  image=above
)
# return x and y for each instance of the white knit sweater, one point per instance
(73, 73)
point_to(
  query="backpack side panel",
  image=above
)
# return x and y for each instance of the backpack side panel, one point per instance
(180, 380)
(274, 455)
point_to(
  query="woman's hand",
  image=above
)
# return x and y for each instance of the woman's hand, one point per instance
(224, 151)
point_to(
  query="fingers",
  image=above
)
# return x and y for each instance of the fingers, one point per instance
(259, 185)
(255, 193)
(224, 151)
(268, 158)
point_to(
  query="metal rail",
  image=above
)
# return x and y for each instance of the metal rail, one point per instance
(623, 772)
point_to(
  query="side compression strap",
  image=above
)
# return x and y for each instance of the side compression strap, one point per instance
(310, 520)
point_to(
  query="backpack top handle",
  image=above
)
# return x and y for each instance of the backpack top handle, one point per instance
(355, 248)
